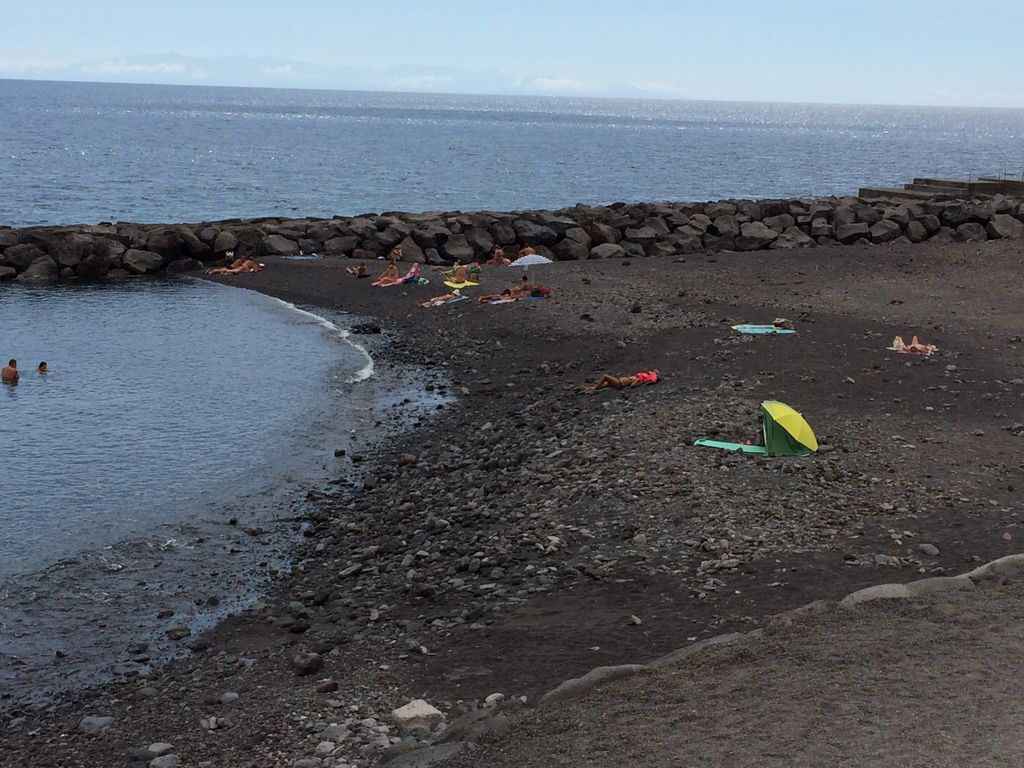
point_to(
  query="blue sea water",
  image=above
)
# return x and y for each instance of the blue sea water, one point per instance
(170, 408)
(85, 152)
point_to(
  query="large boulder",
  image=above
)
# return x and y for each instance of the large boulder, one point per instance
(571, 250)
(530, 233)
(603, 233)
(480, 240)
(661, 250)
(930, 222)
(657, 224)
(779, 223)
(754, 235)
(1003, 225)
(69, 250)
(142, 262)
(820, 227)
(182, 266)
(279, 245)
(607, 251)
(916, 232)
(641, 235)
(684, 243)
(384, 241)
(851, 233)
(900, 215)
(224, 241)
(42, 269)
(93, 267)
(557, 224)
(724, 208)
(7, 272)
(430, 235)
(458, 249)
(343, 245)
(503, 233)
(412, 252)
(726, 225)
(943, 235)
(793, 237)
(885, 231)
(869, 215)
(955, 214)
(972, 232)
(20, 256)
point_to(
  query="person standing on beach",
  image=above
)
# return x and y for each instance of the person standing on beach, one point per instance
(9, 374)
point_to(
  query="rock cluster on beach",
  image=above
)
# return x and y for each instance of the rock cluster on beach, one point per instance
(619, 230)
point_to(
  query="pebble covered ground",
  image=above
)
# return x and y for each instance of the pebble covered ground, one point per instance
(526, 533)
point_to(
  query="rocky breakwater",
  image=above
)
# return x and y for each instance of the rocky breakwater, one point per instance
(619, 230)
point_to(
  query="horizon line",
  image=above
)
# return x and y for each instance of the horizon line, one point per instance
(547, 96)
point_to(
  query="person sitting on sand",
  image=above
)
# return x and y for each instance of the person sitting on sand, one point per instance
(42, 368)
(390, 276)
(433, 302)
(247, 265)
(497, 257)
(458, 274)
(608, 381)
(359, 271)
(395, 255)
(9, 374)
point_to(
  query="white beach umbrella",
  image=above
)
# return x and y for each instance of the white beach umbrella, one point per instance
(530, 260)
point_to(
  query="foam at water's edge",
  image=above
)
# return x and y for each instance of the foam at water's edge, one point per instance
(363, 373)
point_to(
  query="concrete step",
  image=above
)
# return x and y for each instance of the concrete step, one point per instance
(903, 194)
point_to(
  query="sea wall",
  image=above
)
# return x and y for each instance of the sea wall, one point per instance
(620, 230)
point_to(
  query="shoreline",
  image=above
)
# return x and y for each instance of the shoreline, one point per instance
(504, 547)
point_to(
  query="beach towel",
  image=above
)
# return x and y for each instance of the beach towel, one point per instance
(732, 446)
(450, 284)
(501, 301)
(761, 330)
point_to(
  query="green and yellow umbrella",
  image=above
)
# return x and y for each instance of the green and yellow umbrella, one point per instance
(786, 432)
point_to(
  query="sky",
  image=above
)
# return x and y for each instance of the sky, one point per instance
(931, 52)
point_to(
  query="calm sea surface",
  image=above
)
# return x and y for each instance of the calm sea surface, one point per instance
(170, 408)
(84, 153)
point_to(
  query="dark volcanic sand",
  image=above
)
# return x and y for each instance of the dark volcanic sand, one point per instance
(596, 509)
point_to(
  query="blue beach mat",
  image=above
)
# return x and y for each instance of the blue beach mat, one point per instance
(761, 330)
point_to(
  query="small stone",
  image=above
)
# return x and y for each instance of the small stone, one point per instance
(325, 747)
(94, 723)
(308, 762)
(307, 663)
(416, 713)
(494, 699)
(229, 698)
(327, 686)
(179, 633)
(166, 761)
(160, 748)
(928, 549)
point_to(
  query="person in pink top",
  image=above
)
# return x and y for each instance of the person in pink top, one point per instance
(607, 381)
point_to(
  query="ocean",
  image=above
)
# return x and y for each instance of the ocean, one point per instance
(88, 152)
(171, 408)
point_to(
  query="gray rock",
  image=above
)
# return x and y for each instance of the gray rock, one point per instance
(724, 208)
(458, 249)
(426, 757)
(779, 223)
(931, 223)
(308, 762)
(224, 241)
(342, 245)
(43, 269)
(571, 250)
(793, 237)
(165, 761)
(480, 240)
(529, 233)
(607, 251)
(877, 592)
(821, 228)
(93, 266)
(851, 233)
(579, 685)
(94, 723)
(916, 232)
(885, 231)
(307, 663)
(726, 225)
(1002, 225)
(69, 250)
(20, 256)
(943, 235)
(754, 235)
(160, 748)
(141, 262)
(6, 272)
(278, 245)
(928, 549)
(955, 214)
(972, 232)
(643, 236)
(603, 233)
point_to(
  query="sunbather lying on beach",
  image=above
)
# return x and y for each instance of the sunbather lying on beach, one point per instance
(915, 347)
(238, 266)
(389, 276)
(359, 271)
(438, 300)
(524, 289)
(607, 381)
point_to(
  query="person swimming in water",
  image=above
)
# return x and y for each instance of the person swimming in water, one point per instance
(9, 374)
(42, 368)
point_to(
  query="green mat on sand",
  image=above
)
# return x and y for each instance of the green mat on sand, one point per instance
(732, 446)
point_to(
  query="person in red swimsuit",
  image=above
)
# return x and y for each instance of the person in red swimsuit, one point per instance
(607, 381)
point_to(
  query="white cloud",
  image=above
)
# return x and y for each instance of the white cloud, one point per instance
(421, 81)
(124, 68)
(561, 84)
(31, 66)
(280, 71)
